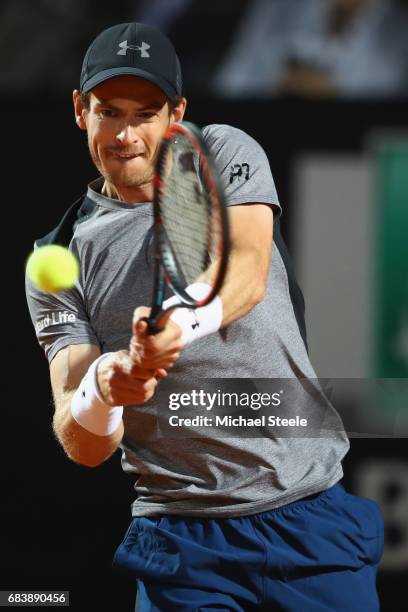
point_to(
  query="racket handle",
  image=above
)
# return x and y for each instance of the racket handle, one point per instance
(151, 324)
(157, 323)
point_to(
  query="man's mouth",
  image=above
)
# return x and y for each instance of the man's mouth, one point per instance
(126, 155)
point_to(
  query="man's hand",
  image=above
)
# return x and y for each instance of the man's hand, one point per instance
(131, 377)
(160, 351)
(122, 382)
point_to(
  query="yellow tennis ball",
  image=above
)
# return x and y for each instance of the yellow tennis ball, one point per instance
(52, 268)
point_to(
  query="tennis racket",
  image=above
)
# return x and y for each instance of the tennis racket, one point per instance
(190, 222)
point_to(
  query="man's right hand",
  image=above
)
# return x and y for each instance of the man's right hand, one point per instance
(131, 377)
(123, 382)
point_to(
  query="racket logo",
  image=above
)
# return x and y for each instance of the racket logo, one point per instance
(143, 49)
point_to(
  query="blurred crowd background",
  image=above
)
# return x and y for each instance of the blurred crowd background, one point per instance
(323, 86)
(233, 49)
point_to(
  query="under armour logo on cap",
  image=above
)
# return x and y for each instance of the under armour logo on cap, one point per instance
(143, 49)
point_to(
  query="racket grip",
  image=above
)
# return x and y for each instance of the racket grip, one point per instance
(158, 321)
(151, 324)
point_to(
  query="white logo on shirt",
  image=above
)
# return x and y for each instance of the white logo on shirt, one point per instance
(55, 318)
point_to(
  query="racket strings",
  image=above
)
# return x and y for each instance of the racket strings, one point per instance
(188, 212)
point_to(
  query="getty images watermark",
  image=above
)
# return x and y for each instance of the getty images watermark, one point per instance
(279, 408)
(220, 400)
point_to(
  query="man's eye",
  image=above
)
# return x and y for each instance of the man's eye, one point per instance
(147, 115)
(107, 112)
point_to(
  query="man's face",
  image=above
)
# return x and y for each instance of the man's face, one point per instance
(125, 121)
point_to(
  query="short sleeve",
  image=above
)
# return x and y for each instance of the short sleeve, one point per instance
(242, 165)
(59, 319)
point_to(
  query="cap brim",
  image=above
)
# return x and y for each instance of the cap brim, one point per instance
(105, 75)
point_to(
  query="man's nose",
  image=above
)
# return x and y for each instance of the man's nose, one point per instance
(127, 135)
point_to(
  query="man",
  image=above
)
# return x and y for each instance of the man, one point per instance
(235, 522)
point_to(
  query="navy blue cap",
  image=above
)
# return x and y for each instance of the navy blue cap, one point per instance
(133, 49)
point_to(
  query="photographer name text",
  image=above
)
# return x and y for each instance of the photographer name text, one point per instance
(238, 421)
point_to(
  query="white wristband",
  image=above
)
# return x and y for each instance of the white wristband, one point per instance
(88, 408)
(199, 322)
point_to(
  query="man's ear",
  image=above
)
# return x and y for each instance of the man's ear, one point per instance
(178, 112)
(79, 109)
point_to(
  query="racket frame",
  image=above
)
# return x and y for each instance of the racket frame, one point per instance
(165, 261)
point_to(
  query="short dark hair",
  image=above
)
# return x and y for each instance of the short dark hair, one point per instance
(175, 102)
(86, 100)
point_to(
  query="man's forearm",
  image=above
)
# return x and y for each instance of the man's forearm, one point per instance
(79, 444)
(251, 238)
(244, 285)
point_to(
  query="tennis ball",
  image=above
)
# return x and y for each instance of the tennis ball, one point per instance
(52, 268)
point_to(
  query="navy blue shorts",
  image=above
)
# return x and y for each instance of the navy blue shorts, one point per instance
(318, 554)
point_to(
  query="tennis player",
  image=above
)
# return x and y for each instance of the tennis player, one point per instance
(227, 523)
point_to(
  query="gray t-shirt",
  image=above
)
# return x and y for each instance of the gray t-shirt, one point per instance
(206, 475)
